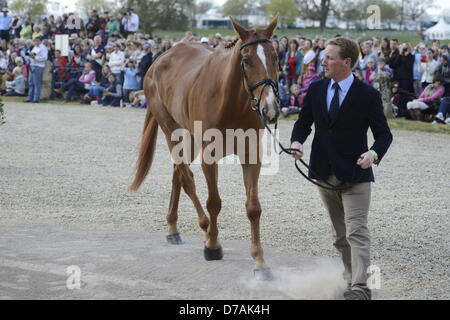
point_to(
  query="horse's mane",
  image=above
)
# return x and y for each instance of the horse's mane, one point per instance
(231, 44)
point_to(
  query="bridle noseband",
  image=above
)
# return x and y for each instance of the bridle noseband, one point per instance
(264, 82)
(269, 82)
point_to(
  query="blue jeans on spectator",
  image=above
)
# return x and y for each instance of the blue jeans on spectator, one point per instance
(35, 82)
(71, 86)
(96, 91)
(444, 108)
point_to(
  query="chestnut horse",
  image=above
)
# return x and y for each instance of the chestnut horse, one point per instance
(219, 87)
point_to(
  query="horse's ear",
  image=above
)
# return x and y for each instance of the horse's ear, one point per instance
(271, 27)
(240, 30)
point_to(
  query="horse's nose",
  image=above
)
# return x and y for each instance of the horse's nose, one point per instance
(271, 114)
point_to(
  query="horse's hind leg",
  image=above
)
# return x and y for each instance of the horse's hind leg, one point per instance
(182, 177)
(172, 215)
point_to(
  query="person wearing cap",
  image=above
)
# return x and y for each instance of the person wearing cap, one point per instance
(145, 63)
(38, 56)
(5, 24)
(204, 40)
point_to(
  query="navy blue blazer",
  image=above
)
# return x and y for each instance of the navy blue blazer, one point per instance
(338, 144)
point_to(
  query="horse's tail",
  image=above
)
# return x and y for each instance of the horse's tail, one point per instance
(146, 151)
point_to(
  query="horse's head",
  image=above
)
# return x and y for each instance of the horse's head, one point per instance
(259, 63)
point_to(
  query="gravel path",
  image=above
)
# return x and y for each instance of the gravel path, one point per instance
(71, 165)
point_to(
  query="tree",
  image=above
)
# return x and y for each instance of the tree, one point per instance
(203, 6)
(100, 5)
(162, 14)
(33, 9)
(416, 8)
(236, 8)
(316, 10)
(286, 8)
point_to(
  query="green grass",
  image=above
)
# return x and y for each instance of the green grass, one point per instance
(396, 124)
(410, 36)
(403, 124)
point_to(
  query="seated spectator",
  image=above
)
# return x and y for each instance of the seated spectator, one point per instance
(17, 86)
(428, 100)
(400, 97)
(130, 81)
(443, 115)
(305, 81)
(60, 69)
(96, 90)
(79, 85)
(284, 93)
(113, 93)
(137, 100)
(294, 103)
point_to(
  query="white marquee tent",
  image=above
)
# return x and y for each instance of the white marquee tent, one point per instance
(440, 31)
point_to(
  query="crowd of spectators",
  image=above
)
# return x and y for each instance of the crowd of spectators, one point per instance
(108, 59)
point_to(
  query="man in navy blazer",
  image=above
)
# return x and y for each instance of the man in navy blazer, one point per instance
(342, 109)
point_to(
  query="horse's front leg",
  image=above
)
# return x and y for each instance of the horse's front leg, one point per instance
(251, 177)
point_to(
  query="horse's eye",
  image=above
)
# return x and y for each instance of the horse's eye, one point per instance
(245, 61)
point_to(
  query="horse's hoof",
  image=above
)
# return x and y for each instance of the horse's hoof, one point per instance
(213, 254)
(263, 274)
(174, 238)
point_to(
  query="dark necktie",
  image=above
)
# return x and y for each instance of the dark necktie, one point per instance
(334, 106)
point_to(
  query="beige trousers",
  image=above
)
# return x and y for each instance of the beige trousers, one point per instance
(348, 211)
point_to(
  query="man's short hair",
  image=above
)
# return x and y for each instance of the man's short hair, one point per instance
(348, 48)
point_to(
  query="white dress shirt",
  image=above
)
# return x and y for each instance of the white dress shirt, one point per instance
(344, 86)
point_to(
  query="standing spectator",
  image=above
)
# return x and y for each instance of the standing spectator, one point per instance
(38, 56)
(61, 73)
(27, 30)
(113, 26)
(420, 54)
(96, 55)
(93, 25)
(16, 27)
(403, 66)
(116, 61)
(131, 22)
(130, 83)
(428, 67)
(5, 24)
(37, 32)
(381, 80)
(293, 63)
(145, 63)
(385, 48)
(309, 54)
(393, 55)
(366, 55)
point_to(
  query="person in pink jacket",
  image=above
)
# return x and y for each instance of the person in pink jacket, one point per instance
(82, 84)
(428, 100)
